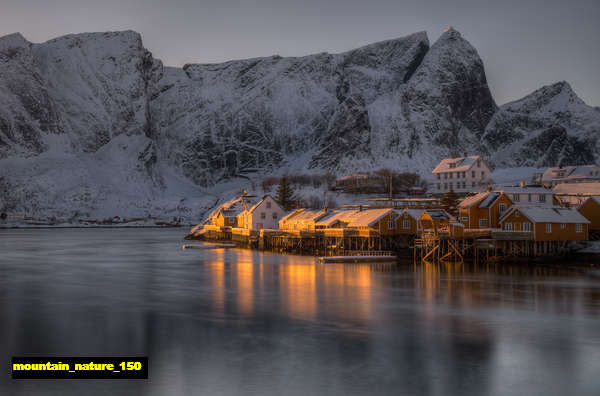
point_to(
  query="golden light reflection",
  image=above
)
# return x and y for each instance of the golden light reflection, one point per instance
(299, 291)
(300, 287)
(217, 275)
(245, 287)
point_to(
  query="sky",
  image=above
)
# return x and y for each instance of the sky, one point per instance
(524, 44)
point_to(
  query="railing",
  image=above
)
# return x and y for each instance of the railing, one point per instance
(367, 253)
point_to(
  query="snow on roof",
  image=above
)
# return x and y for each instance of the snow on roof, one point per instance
(588, 188)
(332, 218)
(597, 199)
(571, 172)
(555, 214)
(354, 176)
(368, 217)
(438, 214)
(473, 199)
(414, 213)
(490, 199)
(305, 215)
(256, 205)
(459, 163)
(233, 207)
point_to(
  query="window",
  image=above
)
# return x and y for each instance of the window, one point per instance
(464, 174)
(517, 214)
(526, 227)
(482, 175)
(438, 176)
(516, 198)
(579, 227)
(548, 228)
(563, 226)
(479, 163)
(275, 215)
(464, 185)
(445, 186)
(452, 165)
(439, 186)
(391, 225)
(406, 224)
(451, 173)
(508, 226)
(464, 219)
(451, 186)
(542, 197)
(482, 223)
(473, 184)
(502, 207)
(268, 204)
(472, 173)
(529, 197)
(263, 215)
(445, 175)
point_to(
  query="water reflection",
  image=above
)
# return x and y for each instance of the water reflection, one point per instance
(243, 322)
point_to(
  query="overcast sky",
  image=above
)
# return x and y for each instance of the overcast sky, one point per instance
(524, 43)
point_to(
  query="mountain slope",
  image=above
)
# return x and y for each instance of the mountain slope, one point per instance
(93, 124)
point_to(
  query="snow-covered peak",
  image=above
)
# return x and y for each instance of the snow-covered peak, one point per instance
(13, 40)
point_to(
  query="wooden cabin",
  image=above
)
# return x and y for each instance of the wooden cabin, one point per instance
(435, 220)
(590, 209)
(546, 223)
(383, 221)
(302, 220)
(225, 218)
(484, 209)
(408, 221)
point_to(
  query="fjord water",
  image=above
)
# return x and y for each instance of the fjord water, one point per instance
(229, 322)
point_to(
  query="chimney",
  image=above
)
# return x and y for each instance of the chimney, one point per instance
(522, 183)
(489, 188)
(360, 208)
(452, 155)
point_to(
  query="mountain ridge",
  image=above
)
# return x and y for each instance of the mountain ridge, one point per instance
(99, 98)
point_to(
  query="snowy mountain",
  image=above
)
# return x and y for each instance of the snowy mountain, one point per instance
(92, 124)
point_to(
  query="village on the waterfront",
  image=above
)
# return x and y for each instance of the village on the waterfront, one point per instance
(459, 214)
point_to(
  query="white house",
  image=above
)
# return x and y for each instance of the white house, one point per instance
(266, 213)
(531, 196)
(461, 174)
(570, 174)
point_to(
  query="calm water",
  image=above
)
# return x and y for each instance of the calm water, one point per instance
(228, 322)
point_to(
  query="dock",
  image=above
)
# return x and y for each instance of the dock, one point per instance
(210, 246)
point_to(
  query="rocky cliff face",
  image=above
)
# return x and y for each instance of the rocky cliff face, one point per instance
(550, 127)
(92, 122)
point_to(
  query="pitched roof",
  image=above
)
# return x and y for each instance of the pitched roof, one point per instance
(233, 207)
(585, 201)
(460, 164)
(256, 205)
(473, 199)
(368, 217)
(438, 214)
(414, 213)
(333, 217)
(305, 215)
(588, 188)
(544, 214)
(571, 172)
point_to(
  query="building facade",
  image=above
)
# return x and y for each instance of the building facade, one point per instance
(462, 175)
